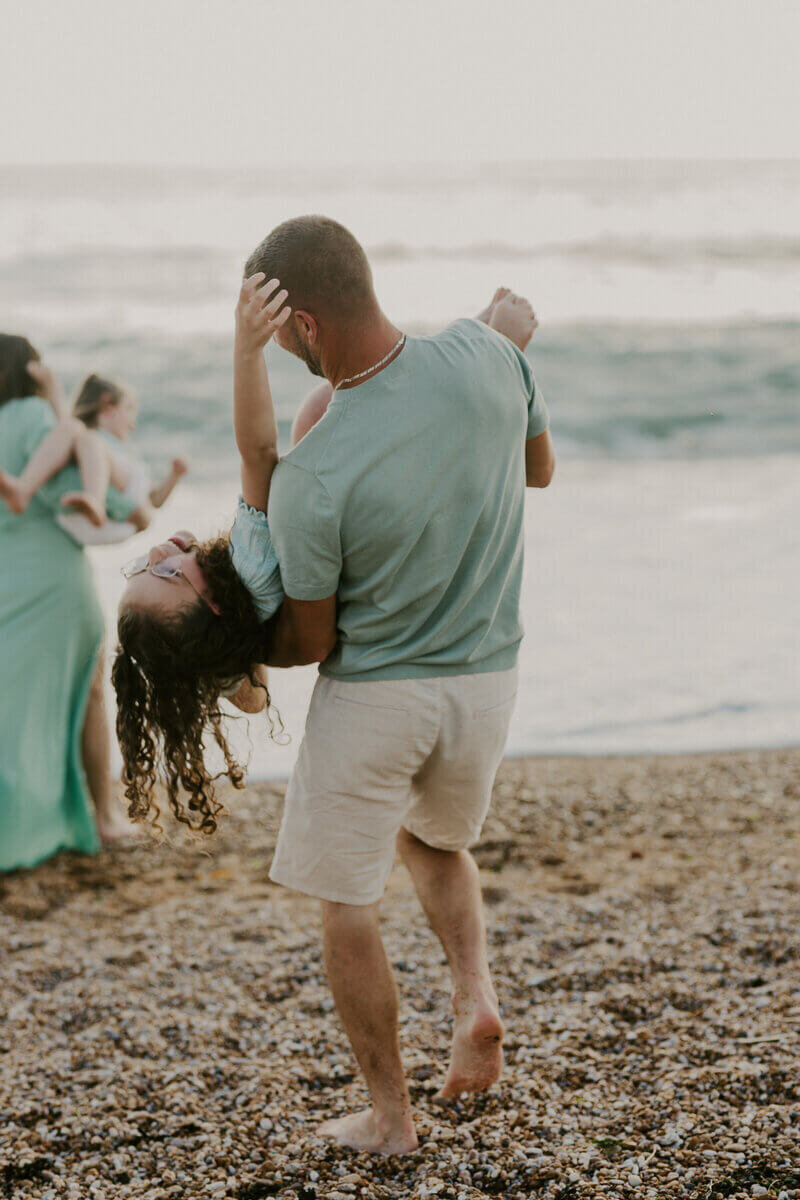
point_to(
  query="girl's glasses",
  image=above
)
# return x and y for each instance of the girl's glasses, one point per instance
(166, 569)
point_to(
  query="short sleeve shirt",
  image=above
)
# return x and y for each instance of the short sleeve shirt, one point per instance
(407, 500)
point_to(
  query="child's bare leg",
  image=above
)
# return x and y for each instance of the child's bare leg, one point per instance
(513, 316)
(11, 493)
(312, 409)
(94, 463)
(50, 456)
(486, 313)
(118, 477)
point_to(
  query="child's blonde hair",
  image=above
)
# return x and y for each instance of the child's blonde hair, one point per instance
(94, 392)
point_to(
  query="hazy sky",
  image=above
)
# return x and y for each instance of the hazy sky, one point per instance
(381, 81)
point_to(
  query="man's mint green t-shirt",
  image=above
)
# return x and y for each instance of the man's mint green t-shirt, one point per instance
(407, 500)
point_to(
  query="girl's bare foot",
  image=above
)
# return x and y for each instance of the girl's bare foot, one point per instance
(11, 492)
(487, 312)
(365, 1131)
(476, 1061)
(86, 505)
(513, 316)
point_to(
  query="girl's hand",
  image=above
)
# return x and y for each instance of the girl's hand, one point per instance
(260, 311)
(179, 467)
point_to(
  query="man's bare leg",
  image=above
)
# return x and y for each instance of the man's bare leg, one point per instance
(448, 886)
(95, 750)
(366, 997)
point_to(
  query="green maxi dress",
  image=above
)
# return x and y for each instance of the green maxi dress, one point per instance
(51, 629)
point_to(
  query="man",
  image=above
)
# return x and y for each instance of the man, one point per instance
(398, 524)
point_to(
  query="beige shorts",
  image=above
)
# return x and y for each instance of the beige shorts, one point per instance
(418, 754)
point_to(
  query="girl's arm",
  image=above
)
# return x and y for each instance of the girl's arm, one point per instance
(162, 491)
(259, 313)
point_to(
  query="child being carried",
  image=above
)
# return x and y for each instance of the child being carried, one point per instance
(104, 414)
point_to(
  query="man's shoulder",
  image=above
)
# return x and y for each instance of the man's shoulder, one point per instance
(471, 333)
(297, 483)
(290, 473)
(468, 329)
(485, 346)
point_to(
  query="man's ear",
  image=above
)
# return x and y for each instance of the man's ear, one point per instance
(306, 325)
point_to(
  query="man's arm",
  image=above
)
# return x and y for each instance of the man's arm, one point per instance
(540, 460)
(304, 632)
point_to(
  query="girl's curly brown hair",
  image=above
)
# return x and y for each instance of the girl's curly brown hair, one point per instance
(168, 675)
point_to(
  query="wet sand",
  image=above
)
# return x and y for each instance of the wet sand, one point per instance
(168, 1031)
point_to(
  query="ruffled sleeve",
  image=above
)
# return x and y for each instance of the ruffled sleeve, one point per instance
(254, 559)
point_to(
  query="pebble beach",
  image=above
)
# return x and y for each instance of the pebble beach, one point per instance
(168, 1031)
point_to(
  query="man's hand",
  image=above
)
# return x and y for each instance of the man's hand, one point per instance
(260, 312)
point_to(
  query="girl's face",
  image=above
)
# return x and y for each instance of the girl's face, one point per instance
(168, 596)
(119, 419)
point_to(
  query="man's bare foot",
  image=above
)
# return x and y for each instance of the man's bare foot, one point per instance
(500, 294)
(513, 316)
(476, 1060)
(11, 492)
(364, 1131)
(86, 505)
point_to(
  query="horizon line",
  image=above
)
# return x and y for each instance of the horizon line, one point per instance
(444, 165)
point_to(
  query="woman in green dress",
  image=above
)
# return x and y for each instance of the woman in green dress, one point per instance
(51, 634)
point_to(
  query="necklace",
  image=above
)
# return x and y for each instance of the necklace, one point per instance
(352, 378)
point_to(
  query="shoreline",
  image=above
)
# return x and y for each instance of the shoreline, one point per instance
(538, 756)
(633, 637)
(170, 1031)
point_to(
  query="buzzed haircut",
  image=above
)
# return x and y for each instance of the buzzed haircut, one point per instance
(321, 265)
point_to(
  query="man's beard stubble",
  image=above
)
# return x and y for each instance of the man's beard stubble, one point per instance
(304, 352)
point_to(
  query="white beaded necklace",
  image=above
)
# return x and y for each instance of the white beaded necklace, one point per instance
(353, 378)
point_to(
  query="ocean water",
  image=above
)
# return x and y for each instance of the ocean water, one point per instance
(662, 564)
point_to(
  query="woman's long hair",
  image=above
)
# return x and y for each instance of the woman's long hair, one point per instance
(168, 674)
(15, 354)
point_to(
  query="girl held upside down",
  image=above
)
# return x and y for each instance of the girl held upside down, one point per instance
(198, 620)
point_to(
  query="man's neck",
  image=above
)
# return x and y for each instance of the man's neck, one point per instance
(360, 349)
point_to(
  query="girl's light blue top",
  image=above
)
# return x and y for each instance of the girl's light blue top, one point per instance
(254, 559)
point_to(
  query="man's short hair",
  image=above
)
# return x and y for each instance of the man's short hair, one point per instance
(321, 265)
